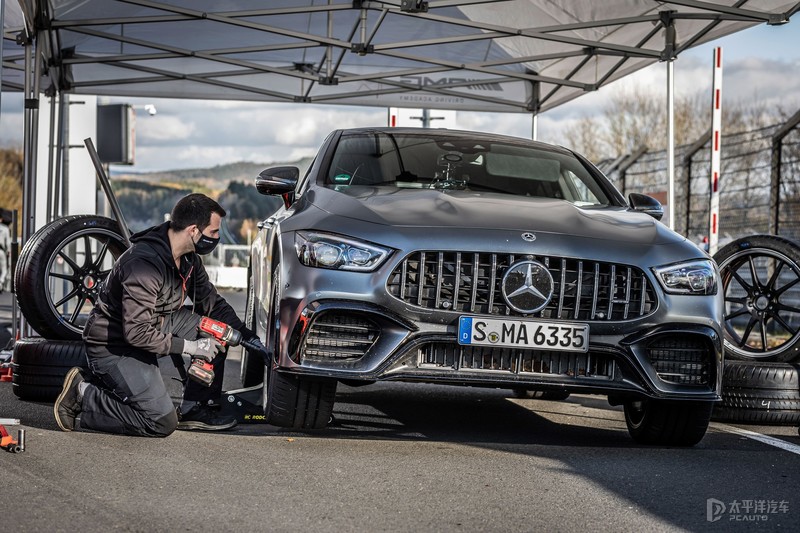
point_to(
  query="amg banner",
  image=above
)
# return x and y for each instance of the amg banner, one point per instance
(447, 90)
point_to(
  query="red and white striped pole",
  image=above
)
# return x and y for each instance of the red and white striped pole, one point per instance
(716, 140)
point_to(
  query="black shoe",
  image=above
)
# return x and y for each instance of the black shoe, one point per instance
(204, 418)
(68, 404)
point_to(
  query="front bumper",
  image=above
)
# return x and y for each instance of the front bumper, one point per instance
(356, 341)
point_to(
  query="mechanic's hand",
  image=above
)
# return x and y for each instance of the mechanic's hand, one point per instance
(205, 348)
(254, 344)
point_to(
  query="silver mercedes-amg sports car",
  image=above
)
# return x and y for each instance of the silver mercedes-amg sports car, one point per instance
(484, 260)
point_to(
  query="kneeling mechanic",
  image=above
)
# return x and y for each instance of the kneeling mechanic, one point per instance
(140, 316)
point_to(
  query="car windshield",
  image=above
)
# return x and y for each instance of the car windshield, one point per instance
(468, 163)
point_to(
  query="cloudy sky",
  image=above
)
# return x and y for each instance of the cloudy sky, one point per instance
(760, 64)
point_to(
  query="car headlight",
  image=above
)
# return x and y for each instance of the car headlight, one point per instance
(326, 250)
(691, 277)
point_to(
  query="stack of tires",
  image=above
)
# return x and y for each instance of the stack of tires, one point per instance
(761, 283)
(57, 280)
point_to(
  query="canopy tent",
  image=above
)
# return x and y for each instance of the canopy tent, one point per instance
(501, 55)
(488, 55)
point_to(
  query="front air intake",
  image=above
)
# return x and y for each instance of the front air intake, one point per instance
(338, 335)
(685, 360)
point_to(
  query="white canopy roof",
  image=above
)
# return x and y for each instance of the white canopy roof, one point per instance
(501, 55)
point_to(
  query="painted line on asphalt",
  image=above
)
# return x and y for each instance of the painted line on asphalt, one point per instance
(766, 439)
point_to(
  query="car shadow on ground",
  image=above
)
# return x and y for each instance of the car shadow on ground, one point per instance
(458, 415)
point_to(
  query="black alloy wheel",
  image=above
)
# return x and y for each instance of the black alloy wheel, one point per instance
(761, 284)
(60, 272)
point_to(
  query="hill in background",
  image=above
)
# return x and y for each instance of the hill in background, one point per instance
(145, 197)
(214, 179)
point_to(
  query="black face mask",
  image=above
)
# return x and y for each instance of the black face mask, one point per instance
(205, 245)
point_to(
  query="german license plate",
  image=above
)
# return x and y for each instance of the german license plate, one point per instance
(565, 336)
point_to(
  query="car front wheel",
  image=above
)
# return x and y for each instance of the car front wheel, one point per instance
(252, 369)
(667, 423)
(292, 401)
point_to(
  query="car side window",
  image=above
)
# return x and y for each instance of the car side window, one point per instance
(578, 190)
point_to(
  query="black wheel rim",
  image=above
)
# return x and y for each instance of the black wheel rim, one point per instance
(76, 271)
(762, 302)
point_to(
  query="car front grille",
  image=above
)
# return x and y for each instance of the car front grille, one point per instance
(470, 282)
(453, 356)
(339, 336)
(686, 360)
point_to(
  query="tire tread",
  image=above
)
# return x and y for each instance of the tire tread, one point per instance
(38, 366)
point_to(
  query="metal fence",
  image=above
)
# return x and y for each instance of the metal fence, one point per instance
(759, 184)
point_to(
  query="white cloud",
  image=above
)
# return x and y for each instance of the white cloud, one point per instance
(163, 128)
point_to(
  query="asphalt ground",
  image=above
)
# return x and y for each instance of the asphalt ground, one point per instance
(401, 457)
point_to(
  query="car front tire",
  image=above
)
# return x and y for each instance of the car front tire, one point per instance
(292, 401)
(252, 369)
(667, 423)
(298, 403)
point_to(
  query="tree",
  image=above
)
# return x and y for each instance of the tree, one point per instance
(11, 174)
(634, 118)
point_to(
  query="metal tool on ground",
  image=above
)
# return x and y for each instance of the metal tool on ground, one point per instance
(203, 371)
(5, 366)
(9, 443)
(246, 405)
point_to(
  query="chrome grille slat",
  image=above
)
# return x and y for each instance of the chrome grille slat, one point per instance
(596, 287)
(403, 273)
(439, 275)
(510, 262)
(457, 282)
(470, 282)
(627, 294)
(612, 291)
(421, 277)
(492, 284)
(562, 283)
(578, 288)
(476, 266)
(643, 297)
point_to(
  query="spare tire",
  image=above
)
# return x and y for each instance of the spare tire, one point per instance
(60, 272)
(761, 283)
(38, 366)
(759, 393)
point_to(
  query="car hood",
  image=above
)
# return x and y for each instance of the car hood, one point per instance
(471, 210)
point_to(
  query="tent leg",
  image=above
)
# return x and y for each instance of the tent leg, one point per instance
(31, 138)
(31, 148)
(671, 143)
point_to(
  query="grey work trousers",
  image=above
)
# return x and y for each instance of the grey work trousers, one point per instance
(127, 394)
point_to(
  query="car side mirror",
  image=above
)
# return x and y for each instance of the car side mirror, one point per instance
(646, 204)
(279, 181)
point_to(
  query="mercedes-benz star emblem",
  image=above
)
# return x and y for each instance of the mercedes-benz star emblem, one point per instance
(528, 236)
(527, 287)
